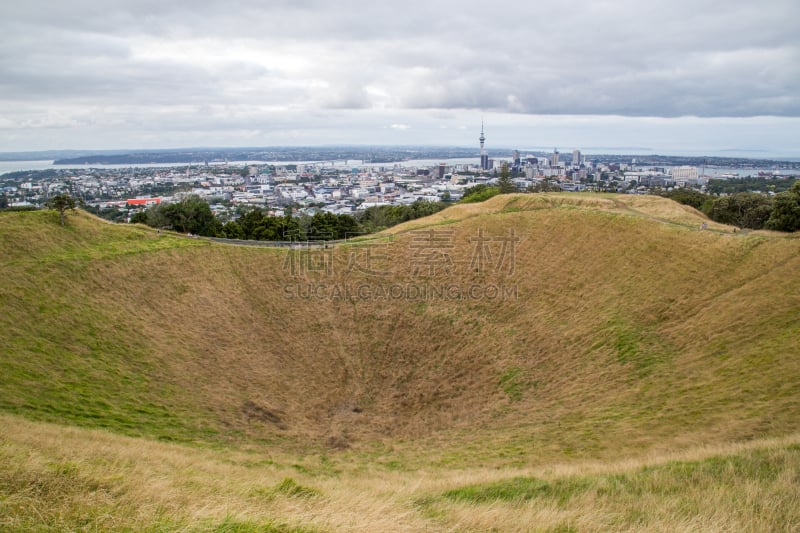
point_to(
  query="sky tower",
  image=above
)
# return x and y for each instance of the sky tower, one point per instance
(484, 157)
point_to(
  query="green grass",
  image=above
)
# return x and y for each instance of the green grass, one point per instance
(620, 343)
(751, 490)
(231, 525)
(635, 345)
(513, 382)
(45, 493)
(70, 361)
(70, 358)
(289, 487)
(759, 467)
(519, 489)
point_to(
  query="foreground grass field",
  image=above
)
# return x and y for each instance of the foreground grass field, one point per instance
(579, 362)
(59, 478)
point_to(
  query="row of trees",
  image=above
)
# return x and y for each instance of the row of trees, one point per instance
(193, 215)
(380, 217)
(780, 212)
(752, 183)
(257, 225)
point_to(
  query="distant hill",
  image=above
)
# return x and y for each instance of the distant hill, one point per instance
(372, 154)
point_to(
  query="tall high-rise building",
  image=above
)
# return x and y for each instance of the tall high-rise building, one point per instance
(576, 158)
(484, 155)
(554, 158)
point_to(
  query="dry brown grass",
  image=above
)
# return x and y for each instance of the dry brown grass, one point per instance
(643, 206)
(623, 325)
(68, 478)
(634, 335)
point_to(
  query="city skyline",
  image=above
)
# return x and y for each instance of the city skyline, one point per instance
(668, 77)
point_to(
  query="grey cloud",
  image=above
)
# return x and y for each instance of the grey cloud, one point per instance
(312, 58)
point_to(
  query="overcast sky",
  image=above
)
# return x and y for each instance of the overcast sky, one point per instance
(664, 76)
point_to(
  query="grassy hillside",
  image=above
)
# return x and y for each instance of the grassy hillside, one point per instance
(510, 334)
(56, 478)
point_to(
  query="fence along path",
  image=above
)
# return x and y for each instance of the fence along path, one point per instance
(300, 244)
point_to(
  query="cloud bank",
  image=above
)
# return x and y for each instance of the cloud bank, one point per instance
(146, 73)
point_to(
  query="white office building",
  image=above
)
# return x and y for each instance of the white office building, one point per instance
(683, 173)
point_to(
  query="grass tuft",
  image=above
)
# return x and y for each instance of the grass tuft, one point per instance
(514, 383)
(520, 489)
(289, 487)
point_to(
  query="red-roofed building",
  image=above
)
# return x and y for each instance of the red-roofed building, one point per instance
(147, 202)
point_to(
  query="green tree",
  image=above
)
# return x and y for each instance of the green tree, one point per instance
(61, 203)
(347, 227)
(139, 218)
(322, 227)
(746, 210)
(479, 193)
(190, 215)
(232, 230)
(250, 221)
(748, 184)
(288, 228)
(786, 210)
(701, 202)
(504, 183)
(380, 217)
(156, 217)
